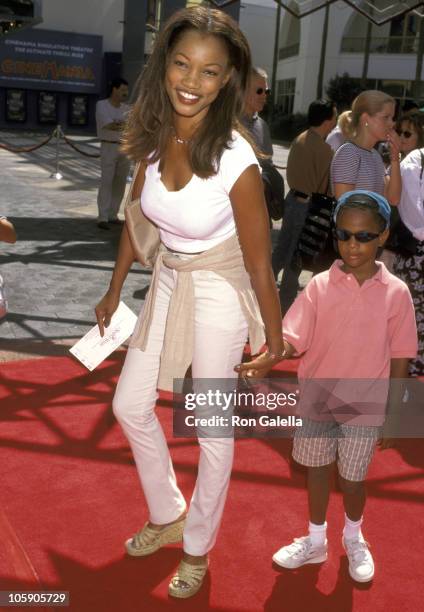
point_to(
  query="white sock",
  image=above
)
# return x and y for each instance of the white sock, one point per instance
(352, 529)
(317, 533)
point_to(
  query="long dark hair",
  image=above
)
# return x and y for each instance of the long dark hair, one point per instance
(416, 119)
(150, 120)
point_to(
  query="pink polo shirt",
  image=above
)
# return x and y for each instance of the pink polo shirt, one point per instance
(344, 330)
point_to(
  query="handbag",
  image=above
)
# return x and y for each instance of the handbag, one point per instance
(143, 233)
(315, 233)
(401, 240)
(273, 184)
(3, 299)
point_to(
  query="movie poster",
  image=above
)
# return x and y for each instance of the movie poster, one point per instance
(16, 109)
(47, 107)
(78, 110)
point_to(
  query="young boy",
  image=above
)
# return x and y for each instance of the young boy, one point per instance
(354, 321)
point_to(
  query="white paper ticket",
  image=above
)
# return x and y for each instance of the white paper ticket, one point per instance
(92, 349)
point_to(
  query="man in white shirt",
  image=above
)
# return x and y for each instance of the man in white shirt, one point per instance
(411, 205)
(110, 120)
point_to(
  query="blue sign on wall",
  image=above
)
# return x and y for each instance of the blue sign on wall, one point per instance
(50, 60)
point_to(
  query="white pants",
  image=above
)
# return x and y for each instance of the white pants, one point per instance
(220, 333)
(114, 171)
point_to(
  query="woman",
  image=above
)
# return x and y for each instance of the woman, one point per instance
(410, 129)
(356, 164)
(202, 187)
(339, 134)
(409, 266)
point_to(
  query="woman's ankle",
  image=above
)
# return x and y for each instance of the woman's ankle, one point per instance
(195, 559)
(158, 527)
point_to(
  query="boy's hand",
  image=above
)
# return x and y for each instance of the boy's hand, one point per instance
(259, 366)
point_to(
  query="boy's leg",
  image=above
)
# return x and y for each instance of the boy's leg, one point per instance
(355, 451)
(354, 496)
(315, 447)
(318, 493)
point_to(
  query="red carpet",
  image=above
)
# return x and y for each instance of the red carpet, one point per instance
(70, 497)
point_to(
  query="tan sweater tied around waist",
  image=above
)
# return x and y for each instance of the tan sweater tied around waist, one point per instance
(226, 260)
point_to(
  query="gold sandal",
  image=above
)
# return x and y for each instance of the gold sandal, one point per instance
(187, 579)
(148, 540)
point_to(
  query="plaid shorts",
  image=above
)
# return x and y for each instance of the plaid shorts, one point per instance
(319, 443)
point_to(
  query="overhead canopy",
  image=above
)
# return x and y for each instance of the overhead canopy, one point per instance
(377, 11)
(17, 14)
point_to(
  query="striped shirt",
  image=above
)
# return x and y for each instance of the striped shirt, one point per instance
(359, 167)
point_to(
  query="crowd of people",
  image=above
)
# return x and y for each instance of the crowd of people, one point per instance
(203, 185)
(334, 160)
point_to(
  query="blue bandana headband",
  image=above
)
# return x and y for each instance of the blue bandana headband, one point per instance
(383, 205)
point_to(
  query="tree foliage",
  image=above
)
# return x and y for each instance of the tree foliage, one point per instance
(342, 90)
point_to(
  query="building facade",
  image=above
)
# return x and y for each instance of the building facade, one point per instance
(56, 71)
(258, 22)
(392, 61)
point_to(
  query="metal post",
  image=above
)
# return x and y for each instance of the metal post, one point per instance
(275, 64)
(368, 38)
(323, 52)
(419, 64)
(58, 133)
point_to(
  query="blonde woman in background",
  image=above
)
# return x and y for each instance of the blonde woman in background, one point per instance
(340, 134)
(356, 164)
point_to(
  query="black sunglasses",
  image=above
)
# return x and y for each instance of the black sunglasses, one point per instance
(261, 90)
(345, 235)
(405, 133)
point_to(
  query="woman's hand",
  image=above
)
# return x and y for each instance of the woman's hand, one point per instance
(260, 365)
(105, 309)
(394, 142)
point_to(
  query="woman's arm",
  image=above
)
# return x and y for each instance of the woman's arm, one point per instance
(393, 182)
(7, 231)
(124, 260)
(251, 217)
(341, 188)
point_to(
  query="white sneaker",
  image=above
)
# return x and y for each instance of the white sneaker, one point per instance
(299, 553)
(361, 564)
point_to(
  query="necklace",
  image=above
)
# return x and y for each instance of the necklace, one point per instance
(180, 140)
